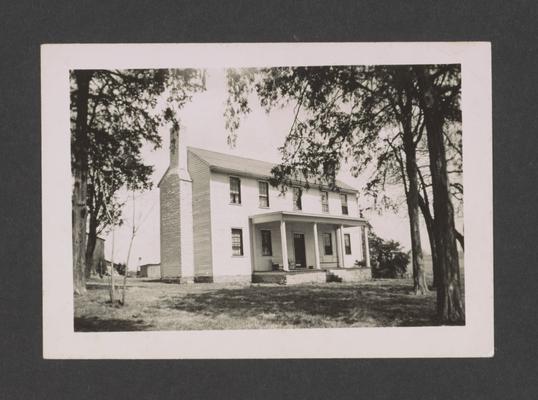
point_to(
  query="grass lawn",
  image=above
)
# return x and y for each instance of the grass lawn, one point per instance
(162, 306)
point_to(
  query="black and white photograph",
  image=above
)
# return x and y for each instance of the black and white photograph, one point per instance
(300, 200)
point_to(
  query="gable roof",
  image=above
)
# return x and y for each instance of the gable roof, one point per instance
(246, 166)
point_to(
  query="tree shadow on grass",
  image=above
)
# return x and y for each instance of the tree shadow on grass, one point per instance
(95, 324)
(306, 306)
(97, 285)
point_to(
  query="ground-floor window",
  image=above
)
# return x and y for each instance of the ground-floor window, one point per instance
(328, 244)
(347, 243)
(237, 242)
(267, 247)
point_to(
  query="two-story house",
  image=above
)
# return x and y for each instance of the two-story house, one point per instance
(221, 220)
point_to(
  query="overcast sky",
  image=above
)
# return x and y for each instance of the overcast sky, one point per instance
(203, 126)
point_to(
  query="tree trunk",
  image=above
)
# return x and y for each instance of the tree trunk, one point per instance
(428, 219)
(126, 269)
(450, 308)
(133, 233)
(79, 148)
(460, 239)
(419, 276)
(112, 285)
(411, 170)
(90, 246)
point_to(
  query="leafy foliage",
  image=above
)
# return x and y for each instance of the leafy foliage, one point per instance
(342, 113)
(120, 268)
(387, 258)
(125, 111)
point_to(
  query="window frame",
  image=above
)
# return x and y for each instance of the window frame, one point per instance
(299, 198)
(347, 244)
(231, 177)
(330, 236)
(324, 205)
(344, 204)
(241, 243)
(270, 248)
(260, 196)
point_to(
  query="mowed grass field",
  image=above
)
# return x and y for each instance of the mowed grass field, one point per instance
(167, 306)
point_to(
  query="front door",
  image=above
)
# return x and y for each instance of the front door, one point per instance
(300, 254)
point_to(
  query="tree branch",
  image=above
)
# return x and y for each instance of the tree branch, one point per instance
(460, 239)
(400, 163)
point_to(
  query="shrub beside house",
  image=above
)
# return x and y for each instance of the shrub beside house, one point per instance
(388, 259)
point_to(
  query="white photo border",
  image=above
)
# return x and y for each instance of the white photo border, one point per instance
(475, 339)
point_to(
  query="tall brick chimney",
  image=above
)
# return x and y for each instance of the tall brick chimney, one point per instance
(175, 188)
(174, 146)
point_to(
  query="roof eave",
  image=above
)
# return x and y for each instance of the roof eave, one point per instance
(231, 171)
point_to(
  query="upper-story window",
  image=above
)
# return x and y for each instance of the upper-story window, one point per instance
(297, 198)
(263, 194)
(343, 200)
(325, 201)
(235, 190)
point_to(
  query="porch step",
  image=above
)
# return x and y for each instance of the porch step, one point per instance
(306, 277)
(309, 276)
(290, 278)
(269, 277)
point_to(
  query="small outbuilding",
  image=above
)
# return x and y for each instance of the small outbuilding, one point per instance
(150, 271)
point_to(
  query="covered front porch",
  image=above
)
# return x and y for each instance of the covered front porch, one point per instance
(285, 244)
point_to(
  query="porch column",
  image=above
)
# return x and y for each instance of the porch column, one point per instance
(253, 245)
(316, 246)
(342, 244)
(367, 246)
(338, 253)
(284, 244)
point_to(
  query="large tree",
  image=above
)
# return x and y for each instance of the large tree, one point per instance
(437, 110)
(365, 115)
(453, 146)
(417, 152)
(410, 121)
(114, 113)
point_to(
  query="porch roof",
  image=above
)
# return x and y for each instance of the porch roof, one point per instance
(296, 216)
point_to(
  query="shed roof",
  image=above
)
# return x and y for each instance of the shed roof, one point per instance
(245, 166)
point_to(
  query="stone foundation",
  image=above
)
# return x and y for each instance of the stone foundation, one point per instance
(203, 279)
(349, 274)
(232, 279)
(278, 278)
(180, 280)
